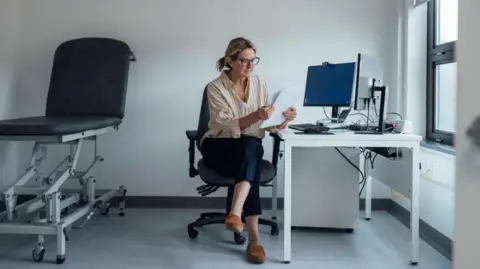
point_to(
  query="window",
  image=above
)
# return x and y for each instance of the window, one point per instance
(442, 70)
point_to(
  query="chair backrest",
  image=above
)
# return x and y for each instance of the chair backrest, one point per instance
(89, 78)
(203, 118)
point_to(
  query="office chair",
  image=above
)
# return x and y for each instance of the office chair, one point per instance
(213, 181)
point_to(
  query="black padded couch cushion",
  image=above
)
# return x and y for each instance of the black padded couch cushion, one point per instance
(47, 126)
(89, 78)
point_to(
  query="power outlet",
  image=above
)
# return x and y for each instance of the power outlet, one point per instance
(397, 195)
(426, 169)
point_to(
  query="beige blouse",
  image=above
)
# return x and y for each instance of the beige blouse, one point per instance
(226, 108)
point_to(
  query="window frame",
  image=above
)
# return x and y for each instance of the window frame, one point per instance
(436, 55)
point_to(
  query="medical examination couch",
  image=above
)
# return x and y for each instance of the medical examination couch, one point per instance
(86, 98)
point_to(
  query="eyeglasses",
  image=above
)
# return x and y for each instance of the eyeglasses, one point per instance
(247, 61)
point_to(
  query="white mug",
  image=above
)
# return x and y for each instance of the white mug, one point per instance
(404, 127)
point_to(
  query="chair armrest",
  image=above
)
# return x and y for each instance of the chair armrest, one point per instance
(192, 137)
(276, 137)
(276, 149)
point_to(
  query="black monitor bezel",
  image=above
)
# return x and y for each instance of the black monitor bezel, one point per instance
(357, 77)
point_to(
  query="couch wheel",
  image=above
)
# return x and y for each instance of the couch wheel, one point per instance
(104, 208)
(38, 254)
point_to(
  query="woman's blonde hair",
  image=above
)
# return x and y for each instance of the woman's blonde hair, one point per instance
(235, 46)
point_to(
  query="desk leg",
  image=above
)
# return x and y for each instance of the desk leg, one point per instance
(415, 204)
(287, 210)
(367, 188)
(368, 196)
(274, 197)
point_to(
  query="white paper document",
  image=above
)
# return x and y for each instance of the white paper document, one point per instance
(273, 97)
(281, 101)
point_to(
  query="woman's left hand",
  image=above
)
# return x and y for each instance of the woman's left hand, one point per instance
(290, 114)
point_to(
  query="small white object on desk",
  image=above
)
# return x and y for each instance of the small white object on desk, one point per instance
(281, 101)
(404, 127)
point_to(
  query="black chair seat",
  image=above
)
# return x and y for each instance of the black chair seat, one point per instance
(211, 177)
(54, 125)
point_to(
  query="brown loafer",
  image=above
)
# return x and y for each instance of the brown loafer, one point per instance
(234, 223)
(255, 254)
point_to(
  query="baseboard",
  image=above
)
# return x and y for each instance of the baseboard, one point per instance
(430, 235)
(204, 202)
(219, 202)
(20, 200)
(187, 202)
(377, 204)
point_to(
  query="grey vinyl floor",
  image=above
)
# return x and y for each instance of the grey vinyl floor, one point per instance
(157, 238)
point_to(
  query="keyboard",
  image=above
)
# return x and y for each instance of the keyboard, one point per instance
(308, 126)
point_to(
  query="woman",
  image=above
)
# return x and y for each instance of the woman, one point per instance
(238, 103)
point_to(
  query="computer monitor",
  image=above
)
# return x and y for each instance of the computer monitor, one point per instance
(368, 75)
(330, 85)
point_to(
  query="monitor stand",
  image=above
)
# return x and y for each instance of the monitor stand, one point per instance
(334, 118)
(335, 112)
(381, 123)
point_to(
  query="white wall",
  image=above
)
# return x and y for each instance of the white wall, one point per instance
(9, 28)
(177, 44)
(437, 182)
(437, 190)
(416, 66)
(467, 221)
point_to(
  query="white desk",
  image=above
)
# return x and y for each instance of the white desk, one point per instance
(349, 139)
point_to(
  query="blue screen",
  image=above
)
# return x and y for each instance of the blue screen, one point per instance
(330, 85)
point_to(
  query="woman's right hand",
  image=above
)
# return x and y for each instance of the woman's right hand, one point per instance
(265, 112)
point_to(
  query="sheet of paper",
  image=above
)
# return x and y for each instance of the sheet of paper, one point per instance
(273, 97)
(281, 101)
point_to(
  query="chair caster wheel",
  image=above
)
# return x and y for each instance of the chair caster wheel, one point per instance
(60, 260)
(38, 254)
(192, 233)
(121, 214)
(239, 239)
(350, 231)
(274, 230)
